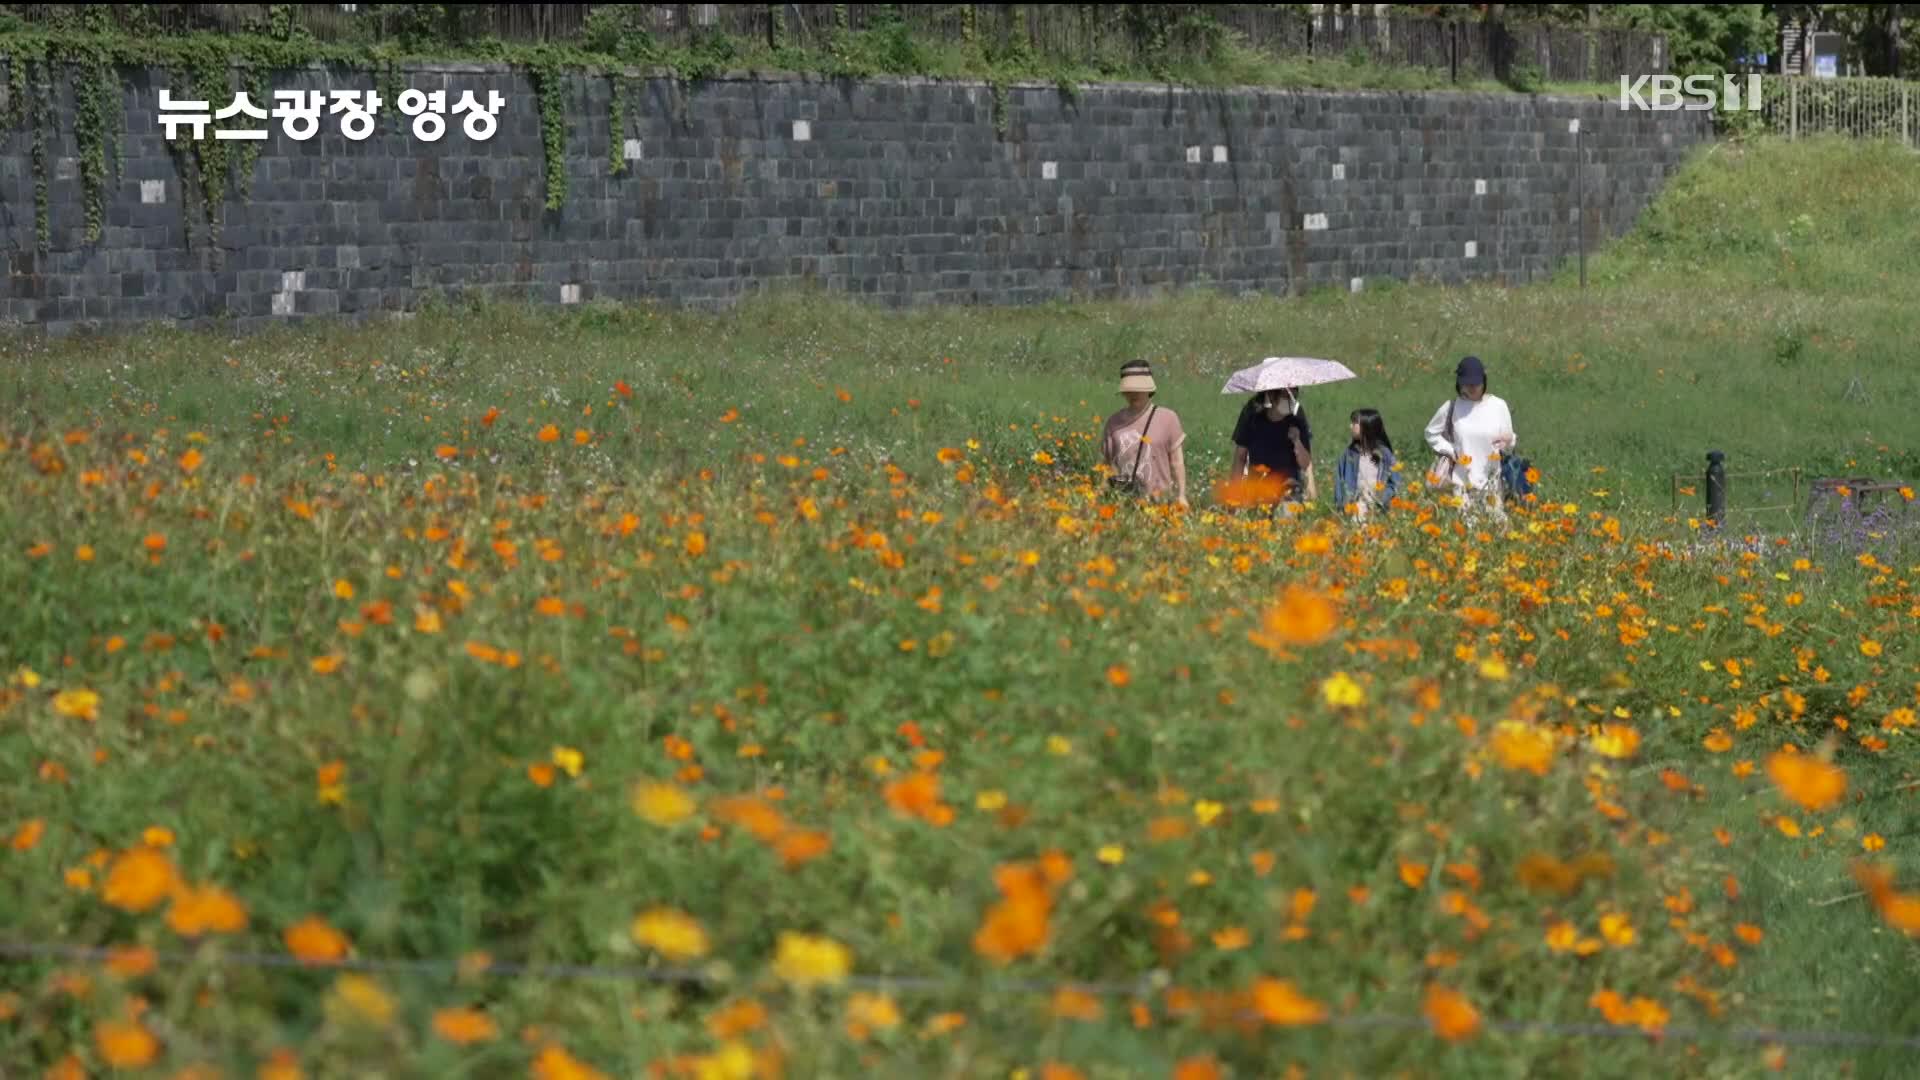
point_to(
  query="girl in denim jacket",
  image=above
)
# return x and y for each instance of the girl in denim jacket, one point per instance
(1366, 478)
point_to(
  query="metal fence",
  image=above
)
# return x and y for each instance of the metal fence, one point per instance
(1860, 108)
(1466, 50)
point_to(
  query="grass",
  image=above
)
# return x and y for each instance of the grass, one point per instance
(702, 619)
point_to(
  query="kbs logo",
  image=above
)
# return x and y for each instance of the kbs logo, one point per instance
(1701, 93)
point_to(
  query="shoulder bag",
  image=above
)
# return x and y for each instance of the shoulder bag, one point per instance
(1131, 485)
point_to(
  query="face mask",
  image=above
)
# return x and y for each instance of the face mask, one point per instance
(1280, 405)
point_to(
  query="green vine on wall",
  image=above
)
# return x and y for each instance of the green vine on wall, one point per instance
(616, 125)
(254, 82)
(390, 89)
(99, 117)
(42, 228)
(553, 128)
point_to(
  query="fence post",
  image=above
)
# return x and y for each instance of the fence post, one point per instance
(1906, 135)
(1793, 109)
(1716, 487)
(1580, 196)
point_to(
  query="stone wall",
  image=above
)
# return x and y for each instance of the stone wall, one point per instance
(900, 191)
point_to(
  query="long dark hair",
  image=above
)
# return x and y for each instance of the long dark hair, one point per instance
(1373, 433)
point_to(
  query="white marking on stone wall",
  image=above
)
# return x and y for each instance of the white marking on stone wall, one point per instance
(569, 294)
(1573, 127)
(291, 281)
(1356, 284)
(802, 130)
(1219, 155)
(1473, 249)
(1479, 187)
(1049, 170)
(1315, 222)
(1340, 171)
(153, 191)
(631, 150)
(1193, 155)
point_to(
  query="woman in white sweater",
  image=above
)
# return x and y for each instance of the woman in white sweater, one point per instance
(1467, 432)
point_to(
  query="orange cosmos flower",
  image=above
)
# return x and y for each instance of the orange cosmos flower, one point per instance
(190, 460)
(1071, 1004)
(131, 961)
(312, 941)
(1280, 1003)
(1197, 1068)
(554, 1063)
(139, 880)
(550, 433)
(1900, 910)
(1615, 741)
(737, 1018)
(753, 815)
(1807, 780)
(1301, 617)
(797, 847)
(125, 1044)
(1522, 747)
(28, 835)
(205, 909)
(1017, 925)
(919, 796)
(1449, 1012)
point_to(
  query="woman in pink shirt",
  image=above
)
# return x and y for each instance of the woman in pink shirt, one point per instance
(1144, 443)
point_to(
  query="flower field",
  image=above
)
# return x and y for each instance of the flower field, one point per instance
(545, 705)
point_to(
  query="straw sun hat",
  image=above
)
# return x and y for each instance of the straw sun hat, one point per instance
(1137, 376)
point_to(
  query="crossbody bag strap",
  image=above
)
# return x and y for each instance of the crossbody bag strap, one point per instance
(1145, 430)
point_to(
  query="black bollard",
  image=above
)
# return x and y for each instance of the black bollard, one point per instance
(1716, 487)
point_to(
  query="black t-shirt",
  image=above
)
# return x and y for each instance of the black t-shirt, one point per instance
(1270, 443)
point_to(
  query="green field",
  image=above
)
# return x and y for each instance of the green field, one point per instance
(697, 649)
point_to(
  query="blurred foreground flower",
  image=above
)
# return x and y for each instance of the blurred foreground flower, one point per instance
(673, 934)
(810, 960)
(1302, 616)
(1452, 1016)
(1807, 780)
(662, 804)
